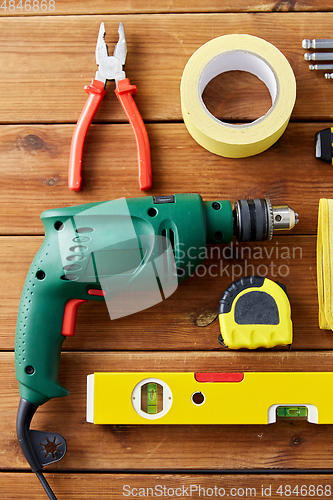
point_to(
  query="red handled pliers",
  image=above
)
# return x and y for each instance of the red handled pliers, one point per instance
(110, 68)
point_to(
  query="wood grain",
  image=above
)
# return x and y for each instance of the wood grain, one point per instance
(45, 63)
(115, 485)
(48, 86)
(63, 7)
(107, 485)
(186, 320)
(97, 447)
(34, 170)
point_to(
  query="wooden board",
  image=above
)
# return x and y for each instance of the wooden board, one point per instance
(58, 54)
(35, 169)
(109, 485)
(61, 7)
(46, 57)
(188, 319)
(281, 445)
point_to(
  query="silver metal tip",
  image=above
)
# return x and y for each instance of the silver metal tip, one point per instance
(307, 56)
(101, 33)
(306, 43)
(328, 76)
(311, 67)
(121, 30)
(120, 50)
(284, 217)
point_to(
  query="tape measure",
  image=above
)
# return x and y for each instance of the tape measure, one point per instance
(242, 53)
(255, 312)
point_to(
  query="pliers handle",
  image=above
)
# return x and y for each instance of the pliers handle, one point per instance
(110, 67)
(96, 93)
(125, 91)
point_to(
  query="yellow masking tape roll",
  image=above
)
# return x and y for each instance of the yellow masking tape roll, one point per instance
(243, 53)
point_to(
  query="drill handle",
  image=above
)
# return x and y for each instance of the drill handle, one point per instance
(39, 341)
(47, 314)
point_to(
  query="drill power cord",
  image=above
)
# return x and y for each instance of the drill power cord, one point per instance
(46, 486)
(31, 443)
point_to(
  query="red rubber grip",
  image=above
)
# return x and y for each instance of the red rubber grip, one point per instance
(96, 93)
(124, 91)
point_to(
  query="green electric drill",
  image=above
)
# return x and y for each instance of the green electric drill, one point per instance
(131, 253)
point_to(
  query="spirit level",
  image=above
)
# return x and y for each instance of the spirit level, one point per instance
(209, 398)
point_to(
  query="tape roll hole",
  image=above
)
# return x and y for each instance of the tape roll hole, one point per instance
(238, 86)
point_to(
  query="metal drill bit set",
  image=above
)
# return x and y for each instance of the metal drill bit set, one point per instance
(319, 44)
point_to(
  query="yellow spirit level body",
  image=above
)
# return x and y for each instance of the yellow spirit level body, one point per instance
(209, 398)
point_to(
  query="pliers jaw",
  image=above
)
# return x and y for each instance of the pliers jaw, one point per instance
(110, 67)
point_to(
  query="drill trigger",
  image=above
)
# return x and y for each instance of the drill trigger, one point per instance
(70, 313)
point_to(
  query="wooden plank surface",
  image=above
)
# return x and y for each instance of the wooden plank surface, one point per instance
(46, 57)
(281, 445)
(35, 169)
(63, 7)
(109, 485)
(58, 54)
(188, 319)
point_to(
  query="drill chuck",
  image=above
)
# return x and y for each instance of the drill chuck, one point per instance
(255, 220)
